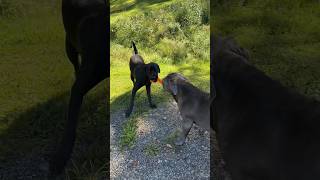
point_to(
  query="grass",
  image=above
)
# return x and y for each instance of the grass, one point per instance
(129, 135)
(283, 38)
(35, 82)
(174, 34)
(171, 138)
(152, 149)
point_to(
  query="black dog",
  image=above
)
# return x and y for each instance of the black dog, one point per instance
(264, 130)
(86, 27)
(141, 74)
(193, 104)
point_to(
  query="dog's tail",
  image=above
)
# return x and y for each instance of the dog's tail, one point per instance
(134, 48)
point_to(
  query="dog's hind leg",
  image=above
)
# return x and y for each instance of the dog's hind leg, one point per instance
(90, 74)
(73, 56)
(132, 78)
(148, 88)
(135, 88)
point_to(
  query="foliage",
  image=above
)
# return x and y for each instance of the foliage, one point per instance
(167, 27)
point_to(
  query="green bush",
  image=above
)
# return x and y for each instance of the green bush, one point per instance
(175, 50)
(192, 12)
(200, 43)
(177, 31)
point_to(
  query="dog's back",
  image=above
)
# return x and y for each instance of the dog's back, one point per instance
(265, 131)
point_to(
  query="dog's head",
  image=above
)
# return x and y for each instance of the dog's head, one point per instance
(171, 81)
(152, 70)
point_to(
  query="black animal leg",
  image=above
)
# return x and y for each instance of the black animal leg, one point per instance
(73, 56)
(148, 88)
(87, 79)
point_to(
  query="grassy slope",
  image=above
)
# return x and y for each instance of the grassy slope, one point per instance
(35, 82)
(283, 38)
(195, 68)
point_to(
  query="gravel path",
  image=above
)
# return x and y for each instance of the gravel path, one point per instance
(190, 161)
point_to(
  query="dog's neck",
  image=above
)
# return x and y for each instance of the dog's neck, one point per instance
(183, 88)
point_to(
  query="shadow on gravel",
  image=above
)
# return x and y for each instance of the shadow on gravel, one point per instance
(32, 136)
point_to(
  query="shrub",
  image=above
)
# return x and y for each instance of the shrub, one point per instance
(187, 13)
(176, 30)
(174, 50)
(200, 42)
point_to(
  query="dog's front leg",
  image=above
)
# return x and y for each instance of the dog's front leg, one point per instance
(148, 88)
(132, 78)
(184, 131)
(87, 78)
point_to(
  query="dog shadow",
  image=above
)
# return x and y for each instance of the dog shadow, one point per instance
(33, 135)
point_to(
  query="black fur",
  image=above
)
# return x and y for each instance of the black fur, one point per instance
(265, 131)
(86, 27)
(141, 75)
(135, 50)
(193, 104)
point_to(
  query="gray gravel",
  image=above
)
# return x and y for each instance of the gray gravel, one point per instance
(190, 161)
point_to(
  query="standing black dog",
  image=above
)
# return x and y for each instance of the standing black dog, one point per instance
(141, 75)
(86, 27)
(193, 104)
(264, 130)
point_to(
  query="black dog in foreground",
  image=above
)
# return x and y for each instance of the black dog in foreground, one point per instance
(86, 24)
(265, 131)
(193, 104)
(141, 75)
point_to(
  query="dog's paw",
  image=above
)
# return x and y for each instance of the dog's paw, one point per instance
(153, 106)
(179, 141)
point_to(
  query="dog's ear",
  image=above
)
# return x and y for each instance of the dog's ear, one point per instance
(173, 87)
(158, 68)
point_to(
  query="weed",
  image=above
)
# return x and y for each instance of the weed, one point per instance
(129, 134)
(171, 137)
(152, 149)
